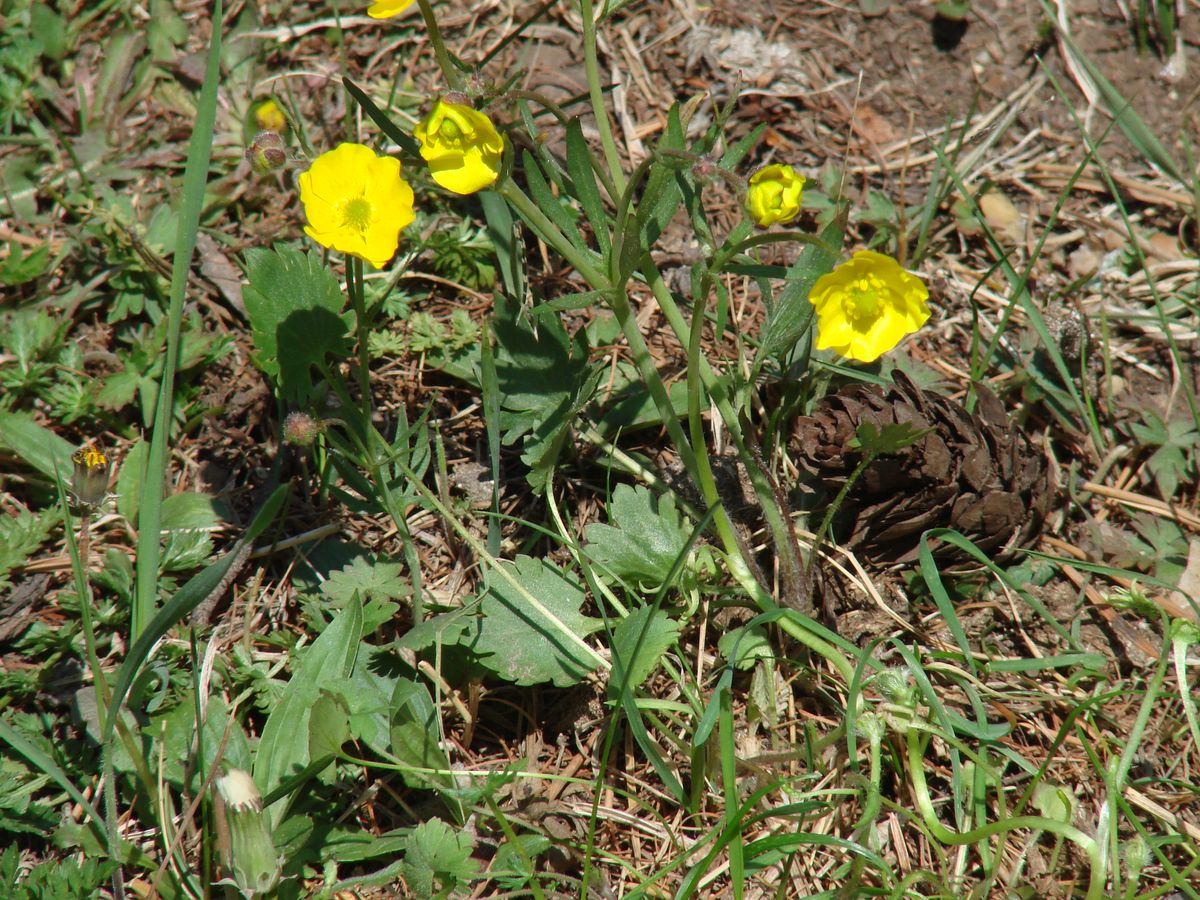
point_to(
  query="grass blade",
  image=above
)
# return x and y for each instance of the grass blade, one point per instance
(195, 177)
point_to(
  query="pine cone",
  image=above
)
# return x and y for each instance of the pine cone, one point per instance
(975, 473)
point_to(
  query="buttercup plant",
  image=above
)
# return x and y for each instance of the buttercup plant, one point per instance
(461, 146)
(567, 411)
(774, 194)
(356, 202)
(867, 305)
(385, 9)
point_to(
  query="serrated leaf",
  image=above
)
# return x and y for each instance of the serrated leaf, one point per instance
(294, 304)
(543, 380)
(509, 868)
(21, 535)
(437, 855)
(645, 536)
(521, 644)
(375, 582)
(639, 642)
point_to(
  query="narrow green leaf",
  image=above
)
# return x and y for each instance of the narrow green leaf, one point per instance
(540, 191)
(187, 599)
(1123, 111)
(36, 446)
(283, 747)
(404, 141)
(662, 194)
(502, 232)
(737, 151)
(579, 167)
(195, 178)
(933, 580)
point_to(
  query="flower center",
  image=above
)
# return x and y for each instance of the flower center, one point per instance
(356, 213)
(450, 132)
(862, 303)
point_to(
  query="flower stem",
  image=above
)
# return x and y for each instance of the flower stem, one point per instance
(354, 286)
(591, 64)
(916, 766)
(550, 233)
(449, 71)
(781, 529)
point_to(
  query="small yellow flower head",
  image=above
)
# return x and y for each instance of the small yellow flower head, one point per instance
(356, 202)
(461, 146)
(774, 195)
(866, 305)
(89, 481)
(385, 9)
(269, 117)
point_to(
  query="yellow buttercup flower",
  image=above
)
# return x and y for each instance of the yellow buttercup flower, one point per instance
(385, 9)
(774, 195)
(866, 305)
(356, 202)
(461, 146)
(89, 481)
(269, 117)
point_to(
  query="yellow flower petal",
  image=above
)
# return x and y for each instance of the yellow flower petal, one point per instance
(356, 202)
(385, 9)
(462, 147)
(866, 306)
(774, 195)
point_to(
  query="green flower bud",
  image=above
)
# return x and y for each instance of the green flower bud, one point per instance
(894, 686)
(250, 856)
(267, 152)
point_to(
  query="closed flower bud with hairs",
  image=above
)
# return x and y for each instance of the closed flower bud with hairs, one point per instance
(301, 429)
(249, 854)
(267, 153)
